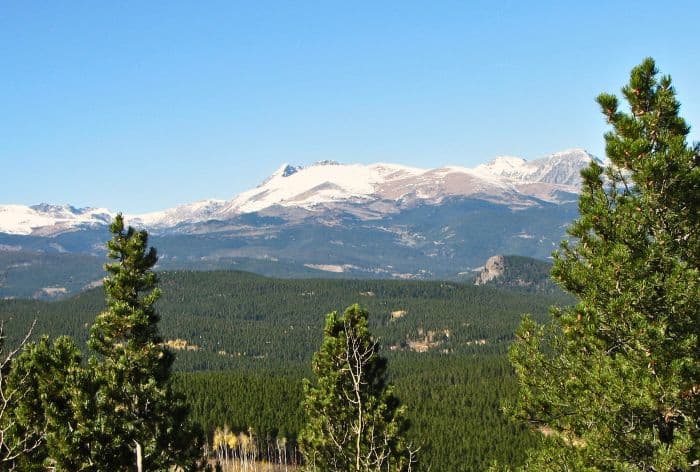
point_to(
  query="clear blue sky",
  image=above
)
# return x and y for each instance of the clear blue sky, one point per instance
(139, 106)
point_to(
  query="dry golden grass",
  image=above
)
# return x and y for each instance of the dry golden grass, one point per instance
(259, 466)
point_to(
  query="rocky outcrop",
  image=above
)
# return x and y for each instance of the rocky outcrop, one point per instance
(493, 269)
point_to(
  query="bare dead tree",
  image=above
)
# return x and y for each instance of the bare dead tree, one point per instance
(376, 457)
(354, 420)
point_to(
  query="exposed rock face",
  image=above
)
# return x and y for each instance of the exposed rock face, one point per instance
(493, 269)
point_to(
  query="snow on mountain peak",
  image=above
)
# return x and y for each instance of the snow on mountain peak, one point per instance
(506, 162)
(198, 211)
(289, 170)
(20, 219)
(326, 162)
(306, 187)
(573, 153)
(560, 168)
(286, 170)
(54, 209)
(563, 168)
(506, 179)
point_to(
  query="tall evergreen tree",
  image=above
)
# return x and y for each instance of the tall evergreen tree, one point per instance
(354, 421)
(141, 422)
(614, 381)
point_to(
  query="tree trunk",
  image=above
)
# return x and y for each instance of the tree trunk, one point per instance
(139, 460)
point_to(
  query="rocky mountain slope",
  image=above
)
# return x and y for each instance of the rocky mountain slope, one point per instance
(330, 219)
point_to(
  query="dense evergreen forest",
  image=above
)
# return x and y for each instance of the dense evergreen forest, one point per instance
(244, 342)
(454, 406)
(236, 319)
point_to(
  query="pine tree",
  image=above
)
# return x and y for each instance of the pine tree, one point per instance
(614, 381)
(19, 438)
(58, 403)
(141, 422)
(354, 421)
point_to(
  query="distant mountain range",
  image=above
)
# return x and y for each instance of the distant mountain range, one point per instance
(367, 192)
(350, 220)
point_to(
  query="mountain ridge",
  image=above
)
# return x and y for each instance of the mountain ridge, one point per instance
(324, 220)
(380, 188)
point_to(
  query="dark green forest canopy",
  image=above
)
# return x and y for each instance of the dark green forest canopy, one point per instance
(237, 319)
(453, 403)
(252, 338)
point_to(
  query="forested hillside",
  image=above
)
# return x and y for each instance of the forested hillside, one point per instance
(244, 342)
(517, 273)
(454, 406)
(236, 319)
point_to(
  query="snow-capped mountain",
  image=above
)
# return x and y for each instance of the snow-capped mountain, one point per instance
(327, 219)
(377, 189)
(45, 219)
(561, 168)
(365, 191)
(196, 212)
